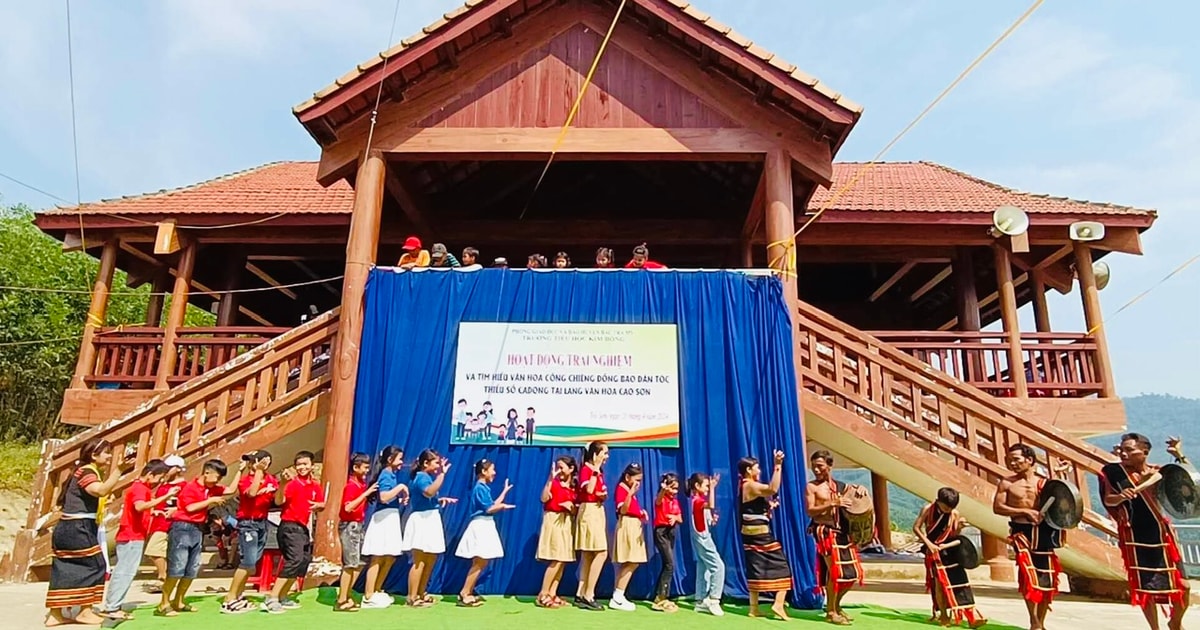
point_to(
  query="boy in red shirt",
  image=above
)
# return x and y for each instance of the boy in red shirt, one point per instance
(131, 534)
(350, 526)
(185, 539)
(300, 496)
(160, 519)
(256, 496)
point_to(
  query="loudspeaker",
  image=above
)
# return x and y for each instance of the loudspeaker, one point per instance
(1086, 231)
(1103, 274)
(1010, 221)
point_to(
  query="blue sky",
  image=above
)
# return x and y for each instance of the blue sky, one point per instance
(1090, 100)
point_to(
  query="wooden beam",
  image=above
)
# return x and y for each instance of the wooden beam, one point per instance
(158, 289)
(235, 264)
(241, 308)
(312, 274)
(97, 310)
(966, 291)
(1041, 310)
(412, 202)
(780, 222)
(1127, 240)
(933, 282)
(179, 302)
(266, 277)
(1094, 318)
(891, 282)
(754, 216)
(985, 302)
(1012, 325)
(595, 232)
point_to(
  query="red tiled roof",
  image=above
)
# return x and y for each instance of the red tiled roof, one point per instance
(929, 187)
(887, 187)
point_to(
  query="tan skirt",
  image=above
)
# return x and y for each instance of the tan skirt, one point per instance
(630, 545)
(591, 528)
(556, 540)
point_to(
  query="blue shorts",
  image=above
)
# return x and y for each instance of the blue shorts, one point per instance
(252, 541)
(185, 541)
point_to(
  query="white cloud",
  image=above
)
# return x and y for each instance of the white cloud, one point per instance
(1043, 55)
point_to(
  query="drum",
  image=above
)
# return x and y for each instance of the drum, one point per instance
(860, 515)
(963, 553)
(1060, 504)
(1177, 492)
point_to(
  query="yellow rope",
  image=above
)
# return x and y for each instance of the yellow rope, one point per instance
(587, 81)
(1137, 298)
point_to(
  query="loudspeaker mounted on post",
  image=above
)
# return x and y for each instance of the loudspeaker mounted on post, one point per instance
(1086, 231)
(1102, 273)
(1012, 222)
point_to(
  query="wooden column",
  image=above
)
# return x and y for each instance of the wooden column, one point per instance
(158, 289)
(967, 303)
(1041, 311)
(1094, 318)
(995, 554)
(780, 220)
(97, 310)
(179, 302)
(1012, 326)
(360, 255)
(883, 517)
(227, 308)
(747, 254)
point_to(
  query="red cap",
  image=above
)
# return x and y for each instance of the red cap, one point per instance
(412, 243)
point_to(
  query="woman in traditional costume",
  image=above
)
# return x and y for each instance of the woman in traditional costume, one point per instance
(766, 565)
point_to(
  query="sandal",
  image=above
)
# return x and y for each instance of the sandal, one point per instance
(187, 608)
(558, 602)
(417, 603)
(429, 599)
(468, 603)
(119, 615)
(165, 612)
(347, 606)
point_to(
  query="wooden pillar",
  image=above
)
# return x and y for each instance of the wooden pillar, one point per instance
(995, 554)
(747, 254)
(967, 303)
(1041, 311)
(179, 302)
(158, 289)
(1012, 326)
(360, 255)
(883, 517)
(97, 310)
(227, 308)
(780, 220)
(1094, 318)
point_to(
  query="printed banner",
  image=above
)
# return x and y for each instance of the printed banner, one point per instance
(566, 384)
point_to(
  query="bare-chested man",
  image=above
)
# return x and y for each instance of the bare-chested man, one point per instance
(1033, 540)
(839, 567)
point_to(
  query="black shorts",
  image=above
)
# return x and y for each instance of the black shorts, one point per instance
(295, 546)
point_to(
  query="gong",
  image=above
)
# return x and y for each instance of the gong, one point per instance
(1177, 492)
(1060, 504)
(963, 553)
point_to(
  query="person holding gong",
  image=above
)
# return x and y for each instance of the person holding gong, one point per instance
(1033, 540)
(1149, 547)
(838, 565)
(945, 578)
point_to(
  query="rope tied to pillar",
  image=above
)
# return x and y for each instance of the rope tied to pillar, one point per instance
(784, 264)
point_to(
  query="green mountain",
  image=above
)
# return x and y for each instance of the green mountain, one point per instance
(1155, 415)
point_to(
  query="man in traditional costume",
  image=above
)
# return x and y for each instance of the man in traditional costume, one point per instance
(1148, 543)
(1033, 540)
(946, 579)
(838, 565)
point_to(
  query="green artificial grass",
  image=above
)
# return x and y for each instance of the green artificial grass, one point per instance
(507, 613)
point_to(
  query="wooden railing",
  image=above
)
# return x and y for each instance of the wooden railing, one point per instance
(130, 356)
(195, 420)
(965, 426)
(1055, 364)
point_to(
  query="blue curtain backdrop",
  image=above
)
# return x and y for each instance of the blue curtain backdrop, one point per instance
(738, 398)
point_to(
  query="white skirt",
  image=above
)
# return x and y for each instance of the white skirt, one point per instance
(423, 532)
(384, 535)
(481, 540)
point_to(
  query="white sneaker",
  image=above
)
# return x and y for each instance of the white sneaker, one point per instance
(623, 604)
(378, 600)
(714, 607)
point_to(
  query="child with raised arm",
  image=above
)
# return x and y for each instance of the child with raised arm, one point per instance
(556, 540)
(481, 541)
(423, 533)
(629, 547)
(300, 496)
(710, 569)
(256, 497)
(383, 539)
(350, 527)
(667, 517)
(132, 532)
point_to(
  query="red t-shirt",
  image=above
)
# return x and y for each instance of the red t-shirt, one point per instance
(649, 264)
(298, 497)
(634, 509)
(135, 525)
(560, 493)
(699, 504)
(194, 491)
(256, 507)
(354, 489)
(159, 522)
(666, 506)
(585, 473)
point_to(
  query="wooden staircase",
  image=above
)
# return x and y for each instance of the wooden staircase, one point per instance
(256, 399)
(923, 429)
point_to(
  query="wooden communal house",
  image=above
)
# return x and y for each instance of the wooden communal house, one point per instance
(690, 138)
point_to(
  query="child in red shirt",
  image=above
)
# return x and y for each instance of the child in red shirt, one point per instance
(256, 496)
(556, 540)
(629, 546)
(591, 526)
(300, 496)
(132, 533)
(641, 259)
(667, 516)
(160, 519)
(350, 527)
(185, 539)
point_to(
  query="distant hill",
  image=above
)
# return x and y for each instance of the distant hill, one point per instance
(1155, 415)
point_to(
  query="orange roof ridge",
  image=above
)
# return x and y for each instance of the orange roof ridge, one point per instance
(686, 8)
(170, 191)
(1014, 191)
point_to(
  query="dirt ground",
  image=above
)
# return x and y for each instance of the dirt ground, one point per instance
(14, 507)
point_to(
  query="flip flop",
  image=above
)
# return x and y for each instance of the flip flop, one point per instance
(187, 608)
(165, 612)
